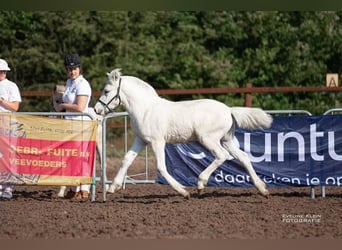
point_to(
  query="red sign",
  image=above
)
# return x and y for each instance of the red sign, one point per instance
(46, 151)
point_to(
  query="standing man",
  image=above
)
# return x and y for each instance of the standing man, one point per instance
(10, 99)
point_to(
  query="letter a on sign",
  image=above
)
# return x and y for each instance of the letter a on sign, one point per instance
(332, 80)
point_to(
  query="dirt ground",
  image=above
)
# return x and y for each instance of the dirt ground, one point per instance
(155, 211)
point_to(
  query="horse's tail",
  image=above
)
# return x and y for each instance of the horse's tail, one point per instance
(251, 118)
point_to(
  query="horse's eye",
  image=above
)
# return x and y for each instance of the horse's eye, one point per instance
(106, 92)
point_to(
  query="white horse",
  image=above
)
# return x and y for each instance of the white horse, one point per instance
(57, 94)
(157, 121)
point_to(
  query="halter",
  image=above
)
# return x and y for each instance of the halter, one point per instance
(117, 96)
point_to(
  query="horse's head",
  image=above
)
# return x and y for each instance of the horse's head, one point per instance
(110, 97)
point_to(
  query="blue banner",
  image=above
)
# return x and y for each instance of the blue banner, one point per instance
(295, 151)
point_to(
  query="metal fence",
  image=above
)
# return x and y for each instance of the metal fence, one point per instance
(291, 113)
(329, 112)
(131, 179)
(63, 114)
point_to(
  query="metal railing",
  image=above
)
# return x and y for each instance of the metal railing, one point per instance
(305, 112)
(329, 112)
(290, 113)
(57, 114)
(129, 179)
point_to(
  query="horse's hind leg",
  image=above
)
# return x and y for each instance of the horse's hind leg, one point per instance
(244, 159)
(220, 156)
(126, 163)
(159, 153)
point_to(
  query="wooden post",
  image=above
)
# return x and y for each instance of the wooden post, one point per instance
(248, 95)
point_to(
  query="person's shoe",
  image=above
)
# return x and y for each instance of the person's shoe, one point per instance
(85, 194)
(73, 195)
(7, 195)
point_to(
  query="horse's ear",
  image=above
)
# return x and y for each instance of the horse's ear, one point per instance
(111, 77)
(117, 74)
(114, 75)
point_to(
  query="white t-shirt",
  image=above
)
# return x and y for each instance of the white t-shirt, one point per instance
(79, 86)
(10, 92)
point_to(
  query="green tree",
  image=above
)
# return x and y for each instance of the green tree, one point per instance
(179, 49)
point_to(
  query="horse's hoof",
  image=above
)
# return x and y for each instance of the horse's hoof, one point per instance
(200, 191)
(111, 189)
(266, 194)
(187, 196)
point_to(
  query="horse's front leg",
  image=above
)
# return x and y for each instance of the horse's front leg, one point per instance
(125, 164)
(159, 153)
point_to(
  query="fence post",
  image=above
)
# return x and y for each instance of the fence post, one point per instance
(248, 95)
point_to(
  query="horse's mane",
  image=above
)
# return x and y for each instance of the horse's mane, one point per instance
(146, 86)
(116, 74)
